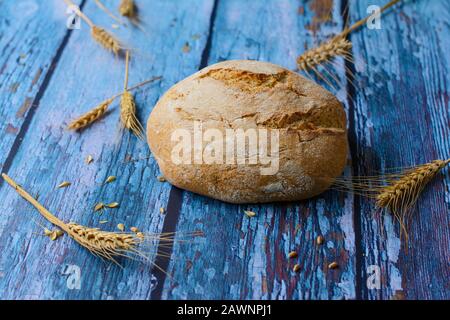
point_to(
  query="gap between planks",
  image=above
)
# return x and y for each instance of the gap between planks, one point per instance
(176, 195)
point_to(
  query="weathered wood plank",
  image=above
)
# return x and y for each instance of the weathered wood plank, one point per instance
(401, 118)
(32, 266)
(28, 53)
(246, 258)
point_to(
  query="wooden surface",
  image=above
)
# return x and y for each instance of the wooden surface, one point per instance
(398, 109)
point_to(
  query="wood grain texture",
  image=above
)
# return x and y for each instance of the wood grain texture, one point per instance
(28, 52)
(246, 258)
(32, 266)
(401, 118)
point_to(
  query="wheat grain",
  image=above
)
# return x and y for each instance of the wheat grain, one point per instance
(249, 213)
(113, 205)
(91, 116)
(333, 265)
(105, 39)
(64, 184)
(89, 159)
(127, 8)
(110, 179)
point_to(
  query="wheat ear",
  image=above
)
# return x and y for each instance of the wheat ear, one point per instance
(100, 35)
(108, 245)
(324, 53)
(92, 116)
(337, 46)
(400, 195)
(128, 116)
(127, 8)
(106, 40)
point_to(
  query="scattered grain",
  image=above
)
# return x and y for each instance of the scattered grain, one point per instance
(64, 184)
(333, 265)
(320, 240)
(53, 235)
(113, 205)
(89, 159)
(250, 213)
(99, 206)
(110, 179)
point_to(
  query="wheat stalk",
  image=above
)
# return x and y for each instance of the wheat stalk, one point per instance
(100, 35)
(108, 12)
(108, 245)
(128, 116)
(337, 46)
(127, 8)
(96, 113)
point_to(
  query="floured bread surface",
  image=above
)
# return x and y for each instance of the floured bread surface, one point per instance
(251, 97)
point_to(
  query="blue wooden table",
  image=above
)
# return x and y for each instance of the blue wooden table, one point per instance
(399, 115)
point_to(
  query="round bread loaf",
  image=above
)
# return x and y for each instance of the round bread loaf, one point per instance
(249, 132)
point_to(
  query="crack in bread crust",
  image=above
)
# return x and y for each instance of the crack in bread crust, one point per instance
(245, 80)
(251, 81)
